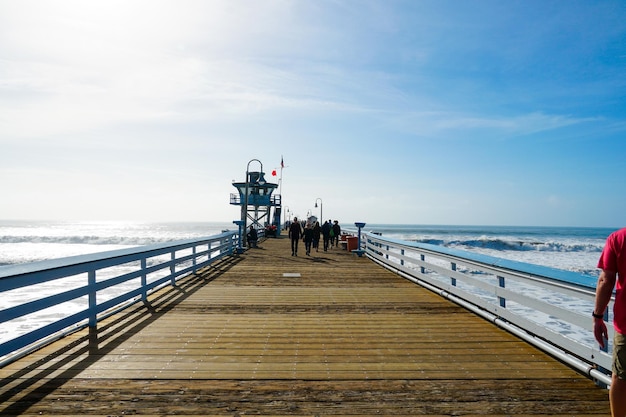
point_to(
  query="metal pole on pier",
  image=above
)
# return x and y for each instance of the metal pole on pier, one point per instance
(321, 210)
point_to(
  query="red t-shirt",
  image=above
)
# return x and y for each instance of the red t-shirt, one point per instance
(613, 259)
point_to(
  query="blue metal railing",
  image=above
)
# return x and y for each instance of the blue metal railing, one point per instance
(547, 307)
(90, 287)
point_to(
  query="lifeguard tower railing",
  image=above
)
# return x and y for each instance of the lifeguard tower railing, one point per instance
(547, 307)
(259, 200)
(57, 297)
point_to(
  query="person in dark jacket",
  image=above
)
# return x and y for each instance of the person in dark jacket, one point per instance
(317, 230)
(307, 236)
(295, 232)
(326, 234)
(253, 237)
(336, 233)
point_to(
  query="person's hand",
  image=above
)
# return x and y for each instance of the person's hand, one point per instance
(600, 332)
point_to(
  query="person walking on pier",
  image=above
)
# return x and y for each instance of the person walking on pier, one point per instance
(317, 230)
(295, 232)
(336, 233)
(613, 265)
(307, 236)
(326, 234)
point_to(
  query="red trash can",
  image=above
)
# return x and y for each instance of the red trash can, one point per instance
(352, 243)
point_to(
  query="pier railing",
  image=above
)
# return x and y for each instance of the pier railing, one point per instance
(63, 295)
(547, 307)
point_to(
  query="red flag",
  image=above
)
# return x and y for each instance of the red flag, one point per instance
(274, 173)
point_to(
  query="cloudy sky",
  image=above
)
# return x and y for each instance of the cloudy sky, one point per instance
(482, 112)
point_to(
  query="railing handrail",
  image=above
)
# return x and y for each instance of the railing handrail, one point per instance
(153, 273)
(576, 279)
(437, 268)
(38, 266)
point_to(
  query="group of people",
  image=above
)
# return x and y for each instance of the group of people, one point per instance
(311, 234)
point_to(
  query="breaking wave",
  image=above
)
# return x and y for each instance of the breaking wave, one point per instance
(87, 240)
(515, 245)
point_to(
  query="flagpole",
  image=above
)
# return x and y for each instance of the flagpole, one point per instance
(280, 188)
(280, 180)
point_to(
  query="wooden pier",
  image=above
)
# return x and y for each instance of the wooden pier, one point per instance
(265, 333)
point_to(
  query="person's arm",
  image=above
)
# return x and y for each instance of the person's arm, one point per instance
(604, 290)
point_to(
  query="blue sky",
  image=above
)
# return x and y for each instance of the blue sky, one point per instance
(434, 112)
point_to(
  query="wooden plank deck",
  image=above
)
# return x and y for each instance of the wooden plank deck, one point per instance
(247, 337)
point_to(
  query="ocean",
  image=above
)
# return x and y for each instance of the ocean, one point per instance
(570, 248)
(574, 249)
(31, 241)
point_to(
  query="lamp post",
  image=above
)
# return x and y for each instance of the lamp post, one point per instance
(321, 209)
(245, 206)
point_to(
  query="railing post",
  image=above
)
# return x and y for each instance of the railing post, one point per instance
(452, 279)
(193, 251)
(422, 258)
(93, 302)
(402, 253)
(240, 224)
(501, 284)
(387, 255)
(144, 280)
(173, 268)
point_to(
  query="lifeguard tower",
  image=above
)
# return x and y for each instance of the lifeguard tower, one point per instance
(256, 201)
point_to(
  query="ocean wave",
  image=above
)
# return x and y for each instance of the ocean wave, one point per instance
(86, 240)
(515, 245)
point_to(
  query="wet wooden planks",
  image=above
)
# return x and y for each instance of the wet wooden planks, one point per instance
(271, 334)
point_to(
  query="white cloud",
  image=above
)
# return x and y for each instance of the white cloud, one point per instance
(449, 124)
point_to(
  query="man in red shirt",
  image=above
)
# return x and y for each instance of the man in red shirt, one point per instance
(613, 275)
